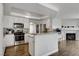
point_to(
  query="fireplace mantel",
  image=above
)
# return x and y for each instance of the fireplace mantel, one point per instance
(64, 31)
(77, 29)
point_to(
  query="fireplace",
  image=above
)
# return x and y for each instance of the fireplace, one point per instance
(70, 36)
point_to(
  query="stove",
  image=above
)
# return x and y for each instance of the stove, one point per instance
(19, 37)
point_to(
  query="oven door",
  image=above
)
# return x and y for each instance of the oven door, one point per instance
(19, 37)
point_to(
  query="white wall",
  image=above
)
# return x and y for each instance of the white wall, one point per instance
(70, 22)
(1, 31)
(56, 22)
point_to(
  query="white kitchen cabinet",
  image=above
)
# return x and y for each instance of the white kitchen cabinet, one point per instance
(9, 20)
(18, 20)
(6, 22)
(26, 38)
(31, 45)
(25, 21)
(9, 40)
(44, 44)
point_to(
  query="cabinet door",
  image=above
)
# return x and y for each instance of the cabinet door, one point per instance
(22, 20)
(9, 40)
(26, 23)
(18, 20)
(31, 46)
(11, 21)
(26, 38)
(8, 21)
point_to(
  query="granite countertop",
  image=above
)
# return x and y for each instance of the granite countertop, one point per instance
(33, 34)
(47, 33)
(42, 33)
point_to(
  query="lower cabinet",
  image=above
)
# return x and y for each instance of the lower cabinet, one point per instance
(26, 38)
(32, 45)
(9, 40)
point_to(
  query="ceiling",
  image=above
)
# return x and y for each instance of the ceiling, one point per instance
(68, 10)
(36, 9)
(62, 10)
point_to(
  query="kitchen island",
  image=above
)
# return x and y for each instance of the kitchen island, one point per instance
(43, 44)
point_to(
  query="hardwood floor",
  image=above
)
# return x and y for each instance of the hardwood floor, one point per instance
(68, 48)
(19, 50)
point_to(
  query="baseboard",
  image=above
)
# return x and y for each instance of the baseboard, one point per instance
(48, 54)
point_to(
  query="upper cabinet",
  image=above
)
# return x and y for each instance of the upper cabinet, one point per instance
(10, 20)
(25, 21)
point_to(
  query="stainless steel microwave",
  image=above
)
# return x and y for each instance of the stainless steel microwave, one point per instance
(18, 25)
